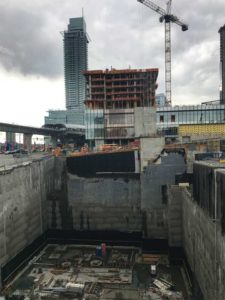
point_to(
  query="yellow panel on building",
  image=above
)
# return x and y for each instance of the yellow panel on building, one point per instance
(201, 129)
(213, 145)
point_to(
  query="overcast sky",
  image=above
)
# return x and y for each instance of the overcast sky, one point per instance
(123, 33)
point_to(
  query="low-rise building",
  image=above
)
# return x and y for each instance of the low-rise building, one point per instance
(73, 116)
(191, 120)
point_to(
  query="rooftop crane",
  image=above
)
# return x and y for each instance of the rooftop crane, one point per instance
(166, 17)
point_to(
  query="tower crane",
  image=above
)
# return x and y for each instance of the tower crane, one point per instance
(166, 17)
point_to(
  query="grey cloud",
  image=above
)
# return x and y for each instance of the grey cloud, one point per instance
(123, 33)
(26, 45)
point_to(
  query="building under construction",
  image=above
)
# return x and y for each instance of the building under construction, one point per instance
(121, 88)
(112, 97)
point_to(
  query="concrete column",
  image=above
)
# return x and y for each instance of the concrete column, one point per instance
(11, 137)
(150, 148)
(10, 140)
(53, 141)
(145, 122)
(27, 141)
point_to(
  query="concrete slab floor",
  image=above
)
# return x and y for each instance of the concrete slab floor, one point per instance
(103, 272)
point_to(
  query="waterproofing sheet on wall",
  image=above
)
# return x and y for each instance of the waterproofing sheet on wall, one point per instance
(89, 165)
(209, 190)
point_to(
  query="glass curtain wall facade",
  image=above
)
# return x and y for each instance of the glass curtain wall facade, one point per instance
(119, 124)
(109, 124)
(94, 124)
(169, 118)
(113, 124)
(160, 100)
(75, 63)
(64, 117)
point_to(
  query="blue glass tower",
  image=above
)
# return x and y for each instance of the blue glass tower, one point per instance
(75, 63)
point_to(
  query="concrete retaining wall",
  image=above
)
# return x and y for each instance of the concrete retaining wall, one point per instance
(23, 204)
(41, 196)
(124, 204)
(100, 204)
(175, 217)
(203, 243)
(154, 195)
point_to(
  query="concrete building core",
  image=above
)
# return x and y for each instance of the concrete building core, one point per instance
(222, 63)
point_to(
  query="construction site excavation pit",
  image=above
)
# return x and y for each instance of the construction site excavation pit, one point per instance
(89, 272)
